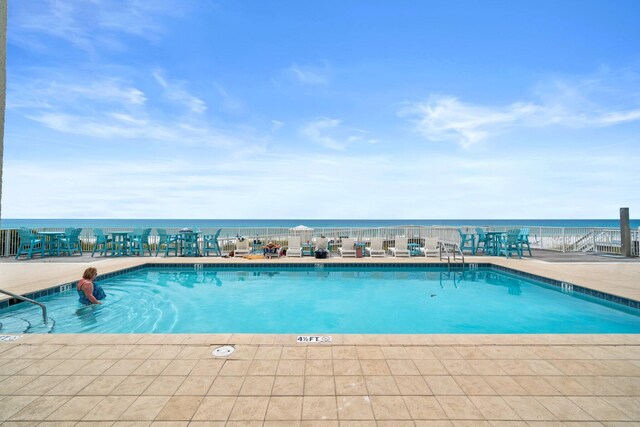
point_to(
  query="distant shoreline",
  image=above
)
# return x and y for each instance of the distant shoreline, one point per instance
(314, 223)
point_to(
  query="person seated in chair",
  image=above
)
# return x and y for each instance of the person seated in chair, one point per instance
(271, 249)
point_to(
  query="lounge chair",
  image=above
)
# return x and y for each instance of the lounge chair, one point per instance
(377, 247)
(271, 250)
(70, 242)
(510, 244)
(523, 239)
(348, 248)
(401, 248)
(431, 246)
(295, 246)
(484, 242)
(242, 248)
(29, 243)
(169, 242)
(467, 241)
(210, 243)
(138, 242)
(102, 242)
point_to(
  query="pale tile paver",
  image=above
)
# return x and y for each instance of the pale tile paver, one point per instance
(75, 408)
(215, 408)
(389, 408)
(40, 408)
(144, 408)
(319, 408)
(249, 408)
(355, 408)
(288, 386)
(284, 408)
(179, 408)
(110, 408)
(257, 386)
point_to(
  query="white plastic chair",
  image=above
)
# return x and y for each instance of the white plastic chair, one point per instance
(348, 248)
(242, 248)
(431, 246)
(376, 248)
(402, 247)
(295, 246)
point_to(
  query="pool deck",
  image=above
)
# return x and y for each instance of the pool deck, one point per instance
(356, 380)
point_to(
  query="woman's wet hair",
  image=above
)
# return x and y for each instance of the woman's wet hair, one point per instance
(90, 273)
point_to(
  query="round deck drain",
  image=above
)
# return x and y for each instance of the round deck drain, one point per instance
(223, 351)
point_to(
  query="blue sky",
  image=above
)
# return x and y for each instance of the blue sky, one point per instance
(332, 109)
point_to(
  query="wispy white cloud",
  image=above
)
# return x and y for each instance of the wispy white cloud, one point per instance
(113, 109)
(276, 125)
(91, 25)
(331, 133)
(447, 118)
(42, 93)
(175, 92)
(309, 75)
(316, 131)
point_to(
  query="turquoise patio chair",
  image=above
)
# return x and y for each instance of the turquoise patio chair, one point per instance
(71, 243)
(210, 244)
(467, 241)
(29, 243)
(139, 241)
(169, 242)
(102, 242)
(189, 244)
(523, 239)
(509, 244)
(483, 240)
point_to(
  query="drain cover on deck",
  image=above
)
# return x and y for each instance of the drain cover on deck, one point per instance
(223, 351)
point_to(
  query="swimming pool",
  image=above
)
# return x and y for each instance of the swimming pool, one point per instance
(330, 299)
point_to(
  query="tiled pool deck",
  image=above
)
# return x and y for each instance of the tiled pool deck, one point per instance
(357, 380)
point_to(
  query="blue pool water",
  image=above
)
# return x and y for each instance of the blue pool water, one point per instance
(330, 300)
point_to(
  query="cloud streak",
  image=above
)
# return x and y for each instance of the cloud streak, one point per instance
(447, 118)
(312, 76)
(331, 133)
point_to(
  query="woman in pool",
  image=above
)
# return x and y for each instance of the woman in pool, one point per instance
(89, 292)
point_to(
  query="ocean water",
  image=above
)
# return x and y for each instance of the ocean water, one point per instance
(313, 223)
(335, 300)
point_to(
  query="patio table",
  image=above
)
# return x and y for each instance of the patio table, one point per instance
(495, 237)
(414, 249)
(120, 243)
(189, 245)
(307, 249)
(51, 241)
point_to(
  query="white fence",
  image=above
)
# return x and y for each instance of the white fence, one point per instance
(604, 240)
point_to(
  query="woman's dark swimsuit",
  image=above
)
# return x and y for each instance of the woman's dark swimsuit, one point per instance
(98, 293)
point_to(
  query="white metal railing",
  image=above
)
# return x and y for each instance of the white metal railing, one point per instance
(605, 240)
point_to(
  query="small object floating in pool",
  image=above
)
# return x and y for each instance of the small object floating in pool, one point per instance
(434, 295)
(223, 351)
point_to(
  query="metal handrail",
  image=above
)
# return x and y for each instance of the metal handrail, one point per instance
(456, 249)
(20, 297)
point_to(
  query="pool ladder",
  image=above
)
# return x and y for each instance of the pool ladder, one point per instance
(445, 253)
(25, 299)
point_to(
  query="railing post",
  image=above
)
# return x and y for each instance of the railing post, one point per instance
(563, 240)
(7, 242)
(541, 240)
(595, 244)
